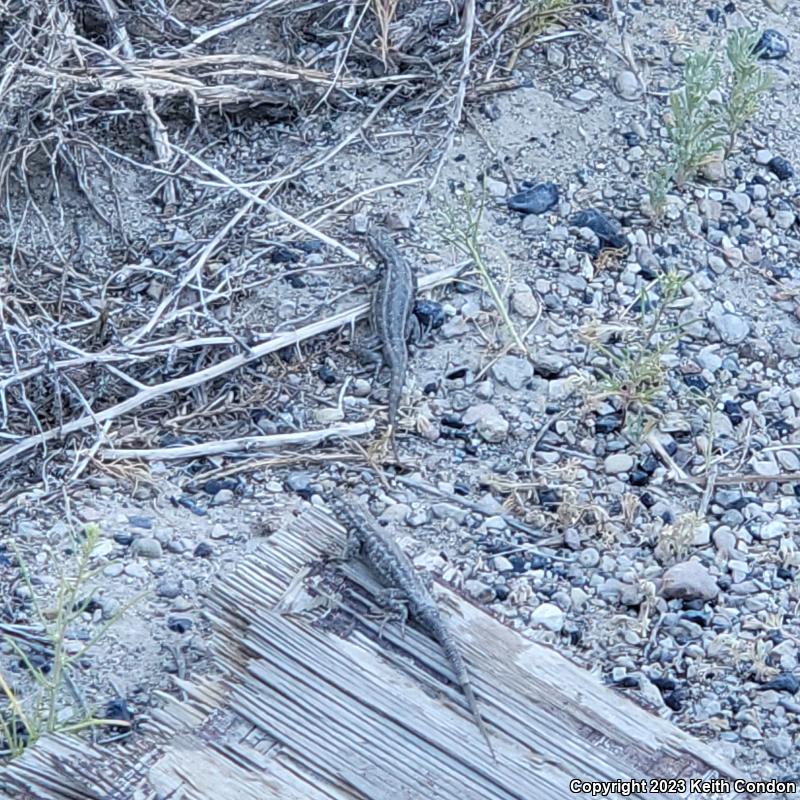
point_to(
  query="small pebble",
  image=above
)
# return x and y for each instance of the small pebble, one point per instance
(772, 45)
(534, 200)
(147, 547)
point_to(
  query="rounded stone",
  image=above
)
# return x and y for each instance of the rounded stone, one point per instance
(147, 547)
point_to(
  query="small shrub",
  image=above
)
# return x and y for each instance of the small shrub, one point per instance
(701, 130)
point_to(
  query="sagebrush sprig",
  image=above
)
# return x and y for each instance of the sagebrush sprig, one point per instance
(701, 127)
(748, 83)
(696, 127)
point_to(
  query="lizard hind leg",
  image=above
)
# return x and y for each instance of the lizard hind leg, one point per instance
(395, 604)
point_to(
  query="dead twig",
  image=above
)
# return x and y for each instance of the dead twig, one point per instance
(244, 444)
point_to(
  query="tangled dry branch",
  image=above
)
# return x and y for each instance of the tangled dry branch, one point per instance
(93, 92)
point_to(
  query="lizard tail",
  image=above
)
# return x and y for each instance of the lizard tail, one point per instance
(473, 705)
(462, 676)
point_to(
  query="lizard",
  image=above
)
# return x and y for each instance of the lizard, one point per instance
(392, 317)
(408, 592)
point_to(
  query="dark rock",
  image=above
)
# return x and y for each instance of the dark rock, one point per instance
(300, 483)
(729, 8)
(607, 231)
(772, 45)
(36, 661)
(429, 313)
(698, 617)
(697, 382)
(714, 14)
(141, 522)
(734, 411)
(179, 624)
(216, 485)
(121, 710)
(549, 498)
(781, 168)
(461, 488)
(638, 477)
(283, 255)
(730, 498)
(778, 271)
(501, 592)
(608, 423)
(89, 606)
(310, 246)
(187, 502)
(327, 375)
(632, 139)
(648, 272)
(675, 700)
(626, 682)
(780, 427)
(203, 550)
(123, 538)
(787, 682)
(663, 683)
(457, 374)
(452, 421)
(534, 200)
(518, 563)
(649, 464)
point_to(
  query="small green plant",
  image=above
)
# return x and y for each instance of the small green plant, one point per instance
(46, 708)
(748, 83)
(676, 539)
(535, 17)
(700, 129)
(636, 372)
(696, 127)
(658, 182)
(461, 226)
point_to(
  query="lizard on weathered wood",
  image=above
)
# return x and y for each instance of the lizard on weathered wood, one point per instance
(407, 592)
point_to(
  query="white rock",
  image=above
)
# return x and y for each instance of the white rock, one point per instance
(689, 580)
(548, 616)
(627, 85)
(772, 529)
(618, 462)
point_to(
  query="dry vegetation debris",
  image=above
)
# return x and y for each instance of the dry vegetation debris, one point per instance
(95, 95)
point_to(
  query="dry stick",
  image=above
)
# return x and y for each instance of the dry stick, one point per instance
(231, 25)
(342, 58)
(201, 259)
(288, 339)
(749, 477)
(253, 198)
(161, 78)
(469, 27)
(157, 129)
(335, 206)
(679, 474)
(247, 444)
(204, 255)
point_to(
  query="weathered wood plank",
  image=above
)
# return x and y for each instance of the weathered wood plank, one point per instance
(315, 705)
